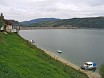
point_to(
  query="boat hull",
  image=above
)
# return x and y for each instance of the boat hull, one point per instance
(88, 68)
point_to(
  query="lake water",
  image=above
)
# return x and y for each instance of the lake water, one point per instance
(78, 45)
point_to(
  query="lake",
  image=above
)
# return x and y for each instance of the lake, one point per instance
(78, 45)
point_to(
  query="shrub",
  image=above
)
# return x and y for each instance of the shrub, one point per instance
(1, 22)
(102, 70)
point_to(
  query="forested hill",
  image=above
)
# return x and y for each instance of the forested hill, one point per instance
(26, 23)
(93, 22)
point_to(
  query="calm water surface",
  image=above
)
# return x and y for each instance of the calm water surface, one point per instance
(78, 45)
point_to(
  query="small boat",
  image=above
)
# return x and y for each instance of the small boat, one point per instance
(32, 41)
(59, 51)
(89, 66)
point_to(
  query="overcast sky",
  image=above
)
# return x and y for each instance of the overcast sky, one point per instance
(22, 10)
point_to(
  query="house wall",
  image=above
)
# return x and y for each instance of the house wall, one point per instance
(8, 28)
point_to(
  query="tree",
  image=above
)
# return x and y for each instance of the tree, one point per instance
(1, 22)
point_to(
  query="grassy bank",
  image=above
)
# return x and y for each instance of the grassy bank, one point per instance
(20, 59)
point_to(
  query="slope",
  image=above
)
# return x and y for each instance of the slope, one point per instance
(20, 59)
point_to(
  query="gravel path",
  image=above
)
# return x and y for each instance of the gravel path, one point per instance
(89, 73)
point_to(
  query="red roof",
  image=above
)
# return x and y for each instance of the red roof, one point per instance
(7, 22)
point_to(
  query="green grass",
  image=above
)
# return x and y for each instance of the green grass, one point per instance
(20, 59)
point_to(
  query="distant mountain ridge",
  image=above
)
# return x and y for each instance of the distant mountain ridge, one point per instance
(38, 21)
(91, 22)
(88, 22)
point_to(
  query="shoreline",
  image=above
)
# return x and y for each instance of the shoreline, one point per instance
(56, 57)
(90, 74)
(63, 27)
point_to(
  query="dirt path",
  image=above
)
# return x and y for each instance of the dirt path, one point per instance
(89, 73)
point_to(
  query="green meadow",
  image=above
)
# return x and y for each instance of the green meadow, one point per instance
(20, 59)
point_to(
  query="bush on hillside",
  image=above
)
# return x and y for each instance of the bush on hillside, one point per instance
(102, 70)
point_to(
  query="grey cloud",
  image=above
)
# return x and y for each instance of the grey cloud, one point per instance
(27, 10)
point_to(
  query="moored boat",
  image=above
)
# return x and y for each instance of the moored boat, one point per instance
(89, 65)
(59, 51)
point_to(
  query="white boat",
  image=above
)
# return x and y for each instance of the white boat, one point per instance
(89, 66)
(59, 51)
(32, 41)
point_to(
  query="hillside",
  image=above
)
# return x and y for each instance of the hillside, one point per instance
(94, 22)
(38, 21)
(20, 59)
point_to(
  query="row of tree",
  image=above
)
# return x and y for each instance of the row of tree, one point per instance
(95, 22)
